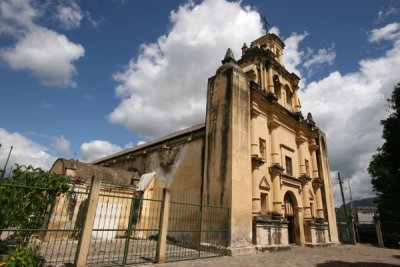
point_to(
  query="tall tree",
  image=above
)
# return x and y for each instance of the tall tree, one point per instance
(385, 165)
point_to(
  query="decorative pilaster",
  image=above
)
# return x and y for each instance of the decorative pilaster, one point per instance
(296, 99)
(270, 80)
(299, 141)
(255, 150)
(304, 179)
(313, 147)
(318, 184)
(273, 126)
(275, 171)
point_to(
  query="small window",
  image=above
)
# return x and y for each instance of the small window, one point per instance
(307, 167)
(289, 170)
(264, 203)
(263, 148)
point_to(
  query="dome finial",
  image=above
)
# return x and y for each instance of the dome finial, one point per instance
(229, 57)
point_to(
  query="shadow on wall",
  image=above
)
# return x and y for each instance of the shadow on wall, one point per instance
(356, 264)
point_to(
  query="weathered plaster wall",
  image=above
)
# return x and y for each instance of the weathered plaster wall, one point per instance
(228, 162)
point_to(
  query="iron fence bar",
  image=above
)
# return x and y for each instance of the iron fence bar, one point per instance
(129, 231)
(204, 231)
(127, 197)
(125, 229)
(40, 230)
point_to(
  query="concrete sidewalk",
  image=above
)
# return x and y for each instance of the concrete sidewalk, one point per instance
(344, 255)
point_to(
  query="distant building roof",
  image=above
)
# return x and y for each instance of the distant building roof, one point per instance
(153, 142)
(373, 208)
(73, 168)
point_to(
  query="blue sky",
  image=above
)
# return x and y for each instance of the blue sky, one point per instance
(84, 79)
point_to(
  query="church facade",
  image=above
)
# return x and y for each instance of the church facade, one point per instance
(255, 154)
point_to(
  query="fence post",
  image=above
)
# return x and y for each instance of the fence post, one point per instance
(163, 227)
(84, 242)
(352, 230)
(378, 231)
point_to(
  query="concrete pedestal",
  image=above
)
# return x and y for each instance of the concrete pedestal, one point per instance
(316, 233)
(270, 233)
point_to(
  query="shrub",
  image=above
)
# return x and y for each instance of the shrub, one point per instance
(24, 257)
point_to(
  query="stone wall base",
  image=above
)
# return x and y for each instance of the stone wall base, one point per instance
(316, 233)
(270, 233)
(240, 251)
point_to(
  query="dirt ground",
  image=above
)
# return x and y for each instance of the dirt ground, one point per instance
(345, 255)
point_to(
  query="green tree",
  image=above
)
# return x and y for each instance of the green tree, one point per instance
(385, 165)
(26, 198)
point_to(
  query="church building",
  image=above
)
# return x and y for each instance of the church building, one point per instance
(256, 154)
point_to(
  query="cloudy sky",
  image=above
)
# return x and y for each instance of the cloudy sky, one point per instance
(84, 79)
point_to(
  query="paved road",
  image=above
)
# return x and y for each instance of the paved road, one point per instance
(338, 256)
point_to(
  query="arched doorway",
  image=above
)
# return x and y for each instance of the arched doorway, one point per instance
(291, 216)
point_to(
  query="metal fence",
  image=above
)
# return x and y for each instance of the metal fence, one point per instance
(113, 225)
(366, 232)
(196, 231)
(344, 233)
(58, 239)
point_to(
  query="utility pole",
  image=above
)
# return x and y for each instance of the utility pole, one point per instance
(341, 191)
(5, 165)
(351, 199)
(353, 214)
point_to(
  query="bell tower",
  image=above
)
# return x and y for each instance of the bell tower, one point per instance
(263, 65)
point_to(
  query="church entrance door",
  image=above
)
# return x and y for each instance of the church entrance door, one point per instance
(290, 217)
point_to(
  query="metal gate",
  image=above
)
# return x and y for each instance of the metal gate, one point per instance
(114, 225)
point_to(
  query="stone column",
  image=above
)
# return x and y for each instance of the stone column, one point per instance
(304, 179)
(270, 80)
(255, 150)
(316, 180)
(273, 127)
(302, 165)
(296, 98)
(312, 148)
(275, 169)
(320, 208)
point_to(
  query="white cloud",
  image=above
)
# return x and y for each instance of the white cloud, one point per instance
(349, 107)
(274, 30)
(62, 145)
(48, 55)
(323, 56)
(388, 32)
(70, 15)
(97, 149)
(25, 151)
(386, 12)
(16, 16)
(292, 54)
(164, 88)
